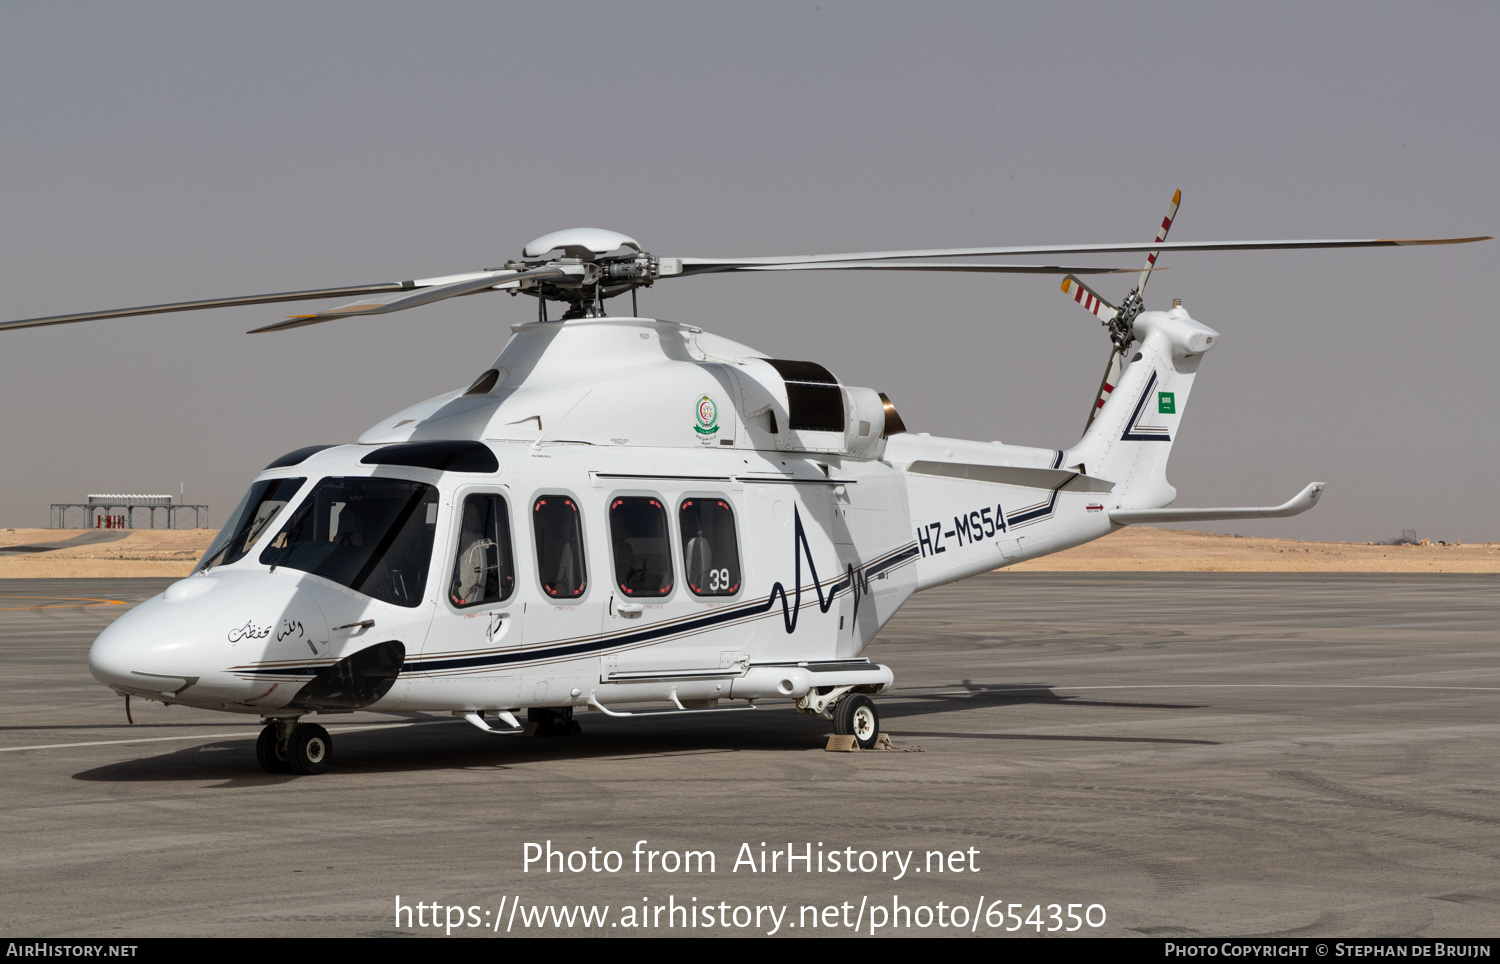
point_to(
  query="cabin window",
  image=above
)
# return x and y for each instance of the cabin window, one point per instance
(643, 549)
(484, 570)
(256, 511)
(559, 546)
(372, 535)
(710, 550)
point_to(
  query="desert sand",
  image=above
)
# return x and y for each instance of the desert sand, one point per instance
(163, 552)
(1144, 549)
(143, 552)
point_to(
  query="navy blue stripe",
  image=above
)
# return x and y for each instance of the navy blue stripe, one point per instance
(587, 646)
(1035, 514)
(899, 557)
(1045, 510)
(1132, 436)
(1029, 515)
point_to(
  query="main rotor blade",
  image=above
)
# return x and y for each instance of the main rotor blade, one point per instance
(425, 296)
(348, 292)
(934, 266)
(702, 265)
(1161, 235)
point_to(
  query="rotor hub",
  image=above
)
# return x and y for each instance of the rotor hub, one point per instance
(584, 243)
(610, 264)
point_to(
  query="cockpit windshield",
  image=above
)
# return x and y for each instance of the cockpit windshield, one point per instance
(257, 510)
(372, 535)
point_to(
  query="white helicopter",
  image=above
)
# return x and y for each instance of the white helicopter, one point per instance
(624, 511)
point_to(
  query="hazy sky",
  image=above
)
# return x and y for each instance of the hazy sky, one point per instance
(158, 152)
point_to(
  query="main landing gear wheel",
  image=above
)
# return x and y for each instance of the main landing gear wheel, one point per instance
(856, 716)
(269, 752)
(310, 749)
(553, 720)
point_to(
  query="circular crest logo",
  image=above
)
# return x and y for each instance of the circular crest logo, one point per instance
(708, 416)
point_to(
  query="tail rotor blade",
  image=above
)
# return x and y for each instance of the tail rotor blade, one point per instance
(1107, 385)
(1161, 235)
(1090, 299)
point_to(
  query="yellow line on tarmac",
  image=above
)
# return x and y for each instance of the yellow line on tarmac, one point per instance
(86, 601)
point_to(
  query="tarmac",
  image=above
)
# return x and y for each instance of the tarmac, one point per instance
(1193, 755)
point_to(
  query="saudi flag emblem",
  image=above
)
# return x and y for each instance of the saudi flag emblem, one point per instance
(1166, 403)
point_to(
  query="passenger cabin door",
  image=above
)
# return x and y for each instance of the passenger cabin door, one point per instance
(675, 565)
(471, 654)
(566, 598)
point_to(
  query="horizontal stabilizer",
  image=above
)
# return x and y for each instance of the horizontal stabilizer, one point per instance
(1013, 475)
(1303, 501)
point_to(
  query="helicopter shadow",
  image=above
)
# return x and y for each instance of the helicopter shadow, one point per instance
(978, 696)
(438, 743)
(129, 727)
(982, 696)
(449, 745)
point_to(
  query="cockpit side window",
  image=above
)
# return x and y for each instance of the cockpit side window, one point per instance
(372, 535)
(559, 547)
(642, 548)
(710, 549)
(257, 510)
(484, 570)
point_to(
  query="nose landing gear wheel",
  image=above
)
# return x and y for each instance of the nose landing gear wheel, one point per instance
(856, 716)
(310, 749)
(269, 753)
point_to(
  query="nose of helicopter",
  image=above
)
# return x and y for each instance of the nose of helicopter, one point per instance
(193, 641)
(134, 654)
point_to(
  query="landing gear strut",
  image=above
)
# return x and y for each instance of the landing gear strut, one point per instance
(287, 746)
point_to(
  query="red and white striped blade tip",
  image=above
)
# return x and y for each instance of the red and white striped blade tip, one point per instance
(1091, 302)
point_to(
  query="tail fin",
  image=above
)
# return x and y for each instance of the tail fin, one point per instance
(1130, 439)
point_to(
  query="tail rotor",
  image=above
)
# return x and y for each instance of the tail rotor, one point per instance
(1119, 321)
